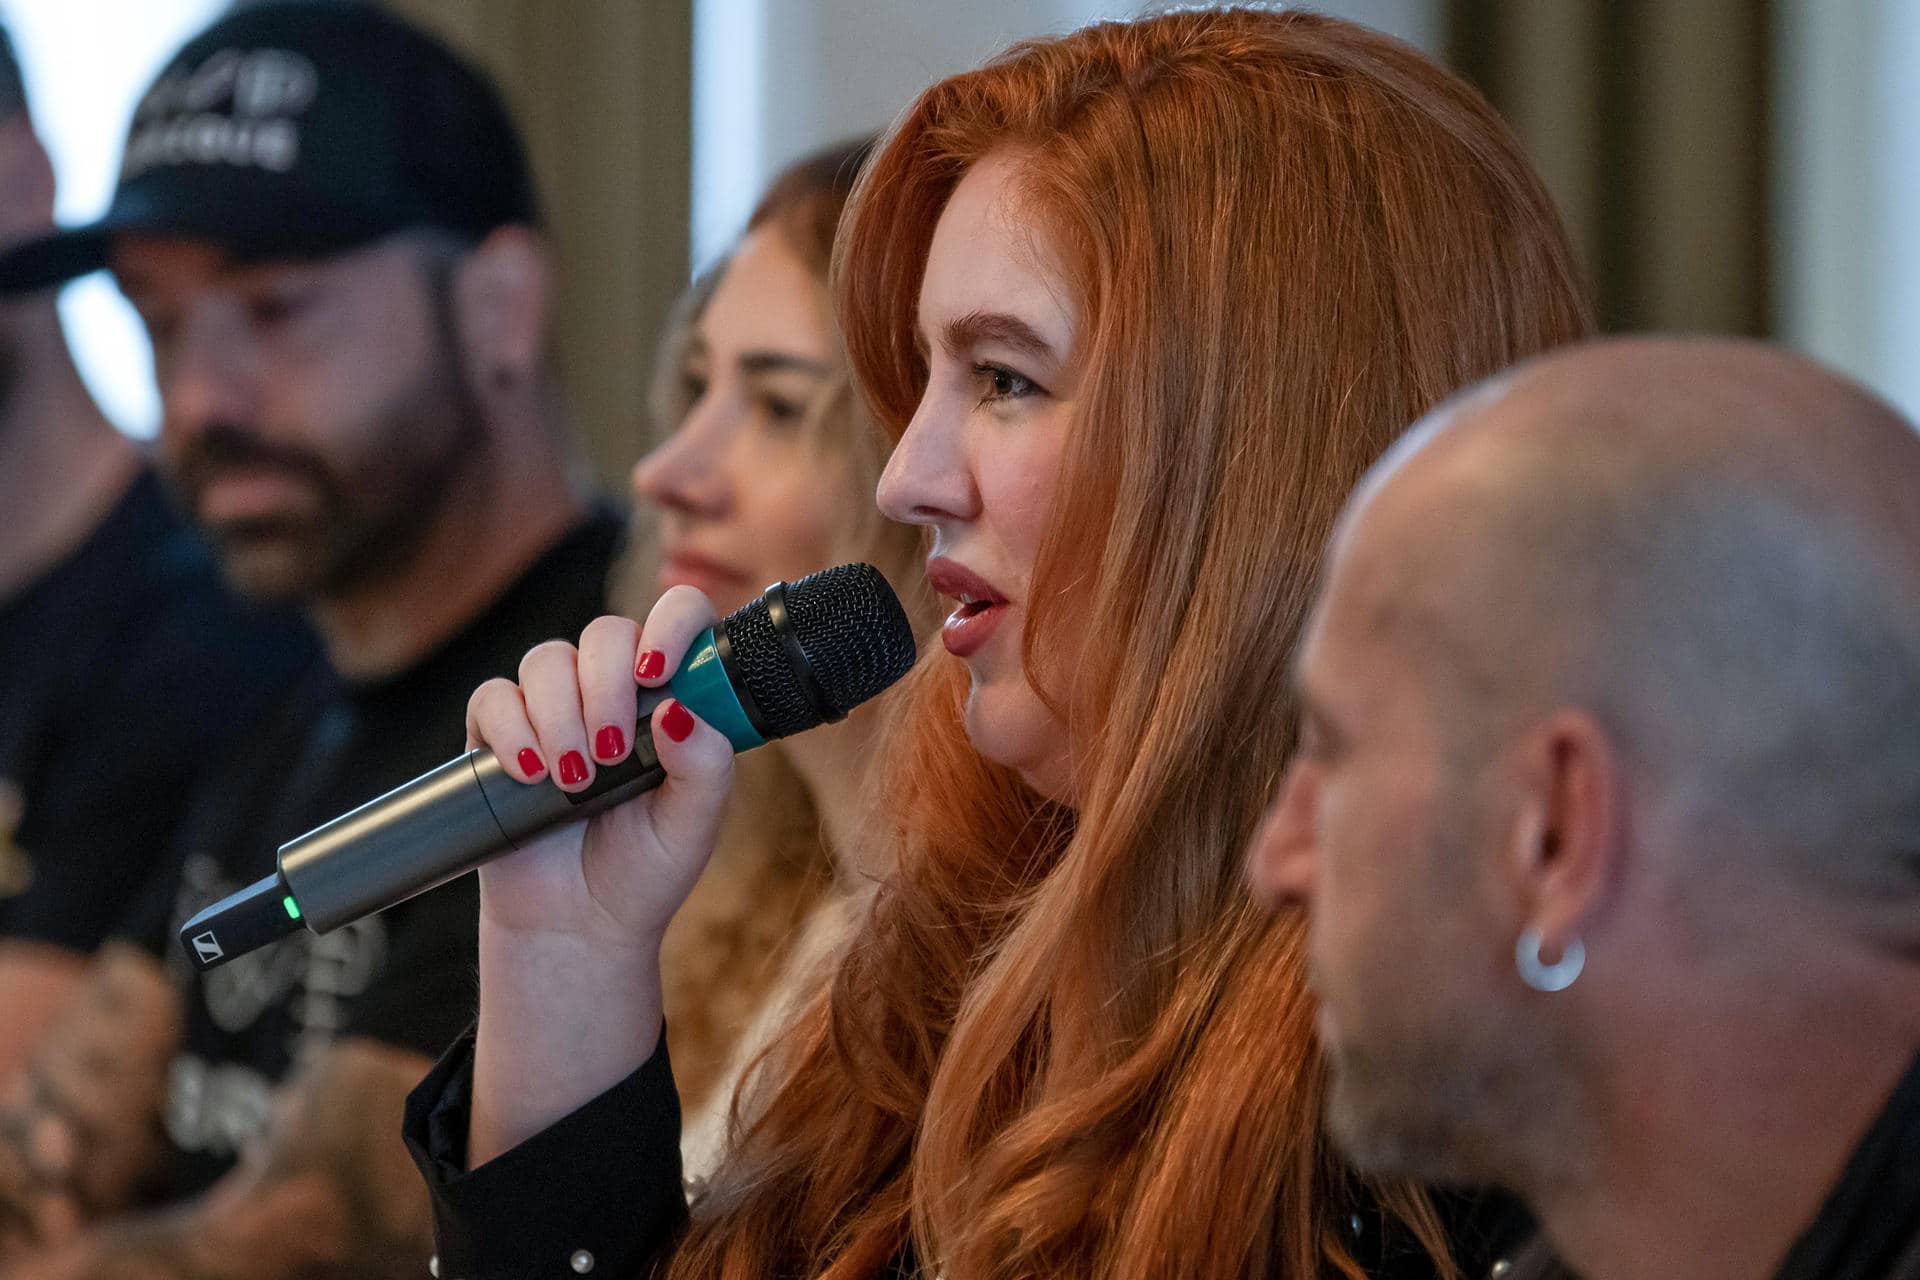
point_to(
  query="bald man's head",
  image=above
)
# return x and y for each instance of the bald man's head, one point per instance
(1610, 730)
(1712, 546)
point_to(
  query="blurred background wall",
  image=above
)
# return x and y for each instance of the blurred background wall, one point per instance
(1745, 166)
(1649, 120)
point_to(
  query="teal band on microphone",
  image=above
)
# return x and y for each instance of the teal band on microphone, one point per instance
(702, 684)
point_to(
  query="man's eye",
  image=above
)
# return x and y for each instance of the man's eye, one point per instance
(161, 330)
(278, 308)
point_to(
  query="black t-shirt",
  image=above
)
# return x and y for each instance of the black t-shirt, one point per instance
(404, 977)
(127, 673)
(1868, 1227)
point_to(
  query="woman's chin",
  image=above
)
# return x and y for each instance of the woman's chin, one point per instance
(1012, 727)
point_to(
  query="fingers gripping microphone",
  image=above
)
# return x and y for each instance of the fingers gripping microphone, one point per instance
(801, 655)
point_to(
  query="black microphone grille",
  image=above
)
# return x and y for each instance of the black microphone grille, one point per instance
(849, 627)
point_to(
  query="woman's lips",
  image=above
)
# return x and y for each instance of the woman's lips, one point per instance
(969, 627)
(981, 607)
(715, 579)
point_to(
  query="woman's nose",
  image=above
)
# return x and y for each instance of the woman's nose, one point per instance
(926, 480)
(691, 470)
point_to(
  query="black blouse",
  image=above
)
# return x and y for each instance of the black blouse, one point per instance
(599, 1193)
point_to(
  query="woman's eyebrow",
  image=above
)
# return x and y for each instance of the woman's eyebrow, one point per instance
(783, 362)
(961, 335)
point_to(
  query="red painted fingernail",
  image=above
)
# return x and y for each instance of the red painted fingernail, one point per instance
(651, 664)
(573, 768)
(676, 721)
(609, 743)
(530, 762)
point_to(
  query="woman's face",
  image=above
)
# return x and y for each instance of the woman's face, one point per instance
(979, 461)
(746, 492)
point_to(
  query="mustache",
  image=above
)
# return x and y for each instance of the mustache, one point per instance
(224, 446)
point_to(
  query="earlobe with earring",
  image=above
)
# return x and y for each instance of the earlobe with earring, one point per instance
(1542, 976)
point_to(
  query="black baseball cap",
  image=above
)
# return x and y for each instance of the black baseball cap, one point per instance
(298, 129)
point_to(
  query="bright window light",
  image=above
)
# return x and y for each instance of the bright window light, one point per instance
(84, 63)
(1899, 166)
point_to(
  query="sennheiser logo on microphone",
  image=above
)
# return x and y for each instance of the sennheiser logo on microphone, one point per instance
(207, 946)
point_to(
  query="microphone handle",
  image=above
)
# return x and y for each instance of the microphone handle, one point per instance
(414, 838)
(443, 824)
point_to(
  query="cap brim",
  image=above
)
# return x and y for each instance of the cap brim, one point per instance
(296, 232)
(59, 256)
(54, 259)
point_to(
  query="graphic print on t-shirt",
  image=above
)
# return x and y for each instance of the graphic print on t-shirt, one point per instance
(310, 981)
(404, 980)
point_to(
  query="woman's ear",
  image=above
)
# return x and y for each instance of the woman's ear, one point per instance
(501, 294)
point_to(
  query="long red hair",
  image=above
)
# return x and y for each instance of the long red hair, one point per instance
(1065, 1043)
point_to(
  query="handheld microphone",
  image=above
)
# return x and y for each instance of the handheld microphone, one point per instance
(801, 655)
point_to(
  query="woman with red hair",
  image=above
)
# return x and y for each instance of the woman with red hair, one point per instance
(1138, 305)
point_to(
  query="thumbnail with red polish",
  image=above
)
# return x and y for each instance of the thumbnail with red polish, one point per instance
(573, 768)
(676, 721)
(530, 762)
(609, 743)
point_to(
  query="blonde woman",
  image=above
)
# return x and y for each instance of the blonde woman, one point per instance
(764, 472)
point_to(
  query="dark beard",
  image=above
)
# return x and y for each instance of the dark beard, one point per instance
(373, 511)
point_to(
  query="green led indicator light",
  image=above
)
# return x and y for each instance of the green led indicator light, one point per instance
(293, 908)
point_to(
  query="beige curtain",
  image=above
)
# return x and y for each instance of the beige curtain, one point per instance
(602, 91)
(1648, 119)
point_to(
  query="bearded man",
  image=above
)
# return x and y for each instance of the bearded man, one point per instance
(326, 221)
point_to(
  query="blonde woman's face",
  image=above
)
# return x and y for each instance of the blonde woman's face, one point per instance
(746, 491)
(979, 462)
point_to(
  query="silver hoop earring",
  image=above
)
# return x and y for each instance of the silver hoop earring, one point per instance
(1557, 976)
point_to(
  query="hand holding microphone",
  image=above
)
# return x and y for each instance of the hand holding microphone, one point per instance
(617, 878)
(801, 655)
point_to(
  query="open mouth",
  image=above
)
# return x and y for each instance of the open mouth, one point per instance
(978, 610)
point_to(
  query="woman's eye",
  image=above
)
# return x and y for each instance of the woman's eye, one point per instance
(783, 411)
(1316, 744)
(1312, 741)
(693, 388)
(997, 382)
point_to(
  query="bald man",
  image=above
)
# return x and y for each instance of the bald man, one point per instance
(1607, 812)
